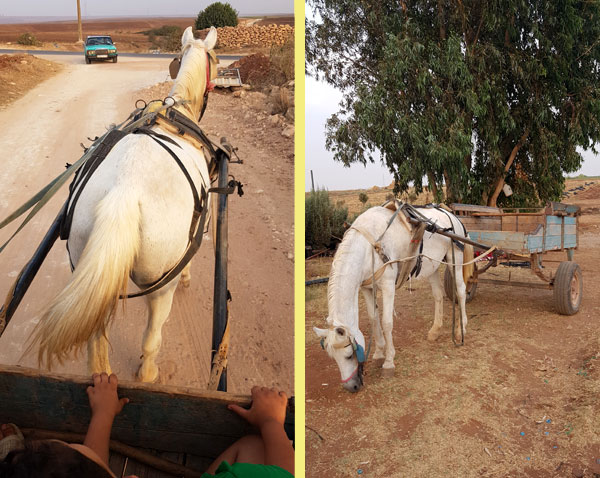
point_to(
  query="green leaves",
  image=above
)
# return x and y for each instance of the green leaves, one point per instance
(447, 89)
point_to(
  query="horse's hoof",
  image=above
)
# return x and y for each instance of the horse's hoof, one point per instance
(150, 378)
(378, 362)
(387, 372)
(432, 336)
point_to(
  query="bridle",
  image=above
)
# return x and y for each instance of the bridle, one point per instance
(357, 351)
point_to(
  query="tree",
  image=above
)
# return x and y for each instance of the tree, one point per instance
(217, 15)
(470, 94)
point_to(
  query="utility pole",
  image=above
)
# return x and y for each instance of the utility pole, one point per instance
(79, 22)
(312, 181)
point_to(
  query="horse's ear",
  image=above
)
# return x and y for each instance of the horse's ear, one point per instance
(320, 332)
(211, 39)
(187, 37)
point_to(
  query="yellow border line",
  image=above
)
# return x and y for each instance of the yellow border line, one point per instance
(299, 236)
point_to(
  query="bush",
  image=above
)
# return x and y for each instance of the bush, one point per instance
(324, 221)
(28, 39)
(167, 37)
(282, 59)
(363, 198)
(217, 15)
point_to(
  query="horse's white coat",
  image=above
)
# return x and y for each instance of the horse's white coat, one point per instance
(131, 220)
(353, 264)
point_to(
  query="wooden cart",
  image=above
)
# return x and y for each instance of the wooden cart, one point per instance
(522, 237)
(163, 431)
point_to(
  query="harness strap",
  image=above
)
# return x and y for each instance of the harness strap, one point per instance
(83, 175)
(376, 244)
(196, 227)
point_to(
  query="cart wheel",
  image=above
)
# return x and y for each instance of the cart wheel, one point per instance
(568, 288)
(449, 285)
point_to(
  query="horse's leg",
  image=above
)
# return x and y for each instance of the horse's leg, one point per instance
(379, 354)
(98, 355)
(186, 275)
(461, 292)
(388, 290)
(438, 296)
(159, 306)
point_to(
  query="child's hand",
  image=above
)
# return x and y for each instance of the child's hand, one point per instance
(268, 405)
(103, 396)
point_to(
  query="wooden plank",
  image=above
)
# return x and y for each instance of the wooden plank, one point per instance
(533, 285)
(554, 230)
(470, 208)
(528, 224)
(553, 243)
(482, 223)
(510, 241)
(165, 418)
(509, 223)
(553, 220)
(570, 240)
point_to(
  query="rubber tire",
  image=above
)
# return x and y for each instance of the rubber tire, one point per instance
(88, 61)
(449, 285)
(563, 298)
(114, 59)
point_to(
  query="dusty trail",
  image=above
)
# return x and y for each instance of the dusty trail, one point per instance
(42, 131)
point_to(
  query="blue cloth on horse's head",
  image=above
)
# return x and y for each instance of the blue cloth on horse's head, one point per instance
(360, 353)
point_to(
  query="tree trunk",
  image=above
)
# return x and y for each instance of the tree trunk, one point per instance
(449, 187)
(500, 181)
(432, 184)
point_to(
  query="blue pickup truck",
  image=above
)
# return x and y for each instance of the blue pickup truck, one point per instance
(100, 47)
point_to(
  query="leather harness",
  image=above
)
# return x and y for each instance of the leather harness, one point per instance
(177, 123)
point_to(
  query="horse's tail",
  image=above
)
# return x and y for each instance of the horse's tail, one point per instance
(86, 305)
(468, 269)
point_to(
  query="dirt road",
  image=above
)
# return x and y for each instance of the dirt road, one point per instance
(42, 131)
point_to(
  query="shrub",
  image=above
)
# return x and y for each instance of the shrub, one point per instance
(167, 37)
(217, 15)
(282, 58)
(323, 219)
(28, 39)
(363, 198)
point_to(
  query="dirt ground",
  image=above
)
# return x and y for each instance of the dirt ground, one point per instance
(43, 130)
(519, 399)
(20, 73)
(126, 33)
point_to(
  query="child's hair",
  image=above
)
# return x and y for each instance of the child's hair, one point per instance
(49, 459)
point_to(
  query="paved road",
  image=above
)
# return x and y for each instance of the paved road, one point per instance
(6, 51)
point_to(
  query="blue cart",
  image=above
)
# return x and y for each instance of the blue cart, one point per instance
(522, 238)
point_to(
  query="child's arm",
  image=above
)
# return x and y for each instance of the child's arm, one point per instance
(105, 405)
(268, 414)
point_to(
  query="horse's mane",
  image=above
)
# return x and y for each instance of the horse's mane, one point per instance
(191, 79)
(336, 273)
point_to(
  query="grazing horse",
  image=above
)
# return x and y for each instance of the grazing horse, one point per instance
(132, 220)
(353, 269)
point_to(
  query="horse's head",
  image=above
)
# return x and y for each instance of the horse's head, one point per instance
(347, 351)
(197, 67)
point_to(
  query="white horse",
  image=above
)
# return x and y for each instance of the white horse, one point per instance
(132, 220)
(353, 266)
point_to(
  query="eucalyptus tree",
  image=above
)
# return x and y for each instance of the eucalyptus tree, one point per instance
(469, 94)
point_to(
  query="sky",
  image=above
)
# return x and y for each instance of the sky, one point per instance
(109, 8)
(322, 100)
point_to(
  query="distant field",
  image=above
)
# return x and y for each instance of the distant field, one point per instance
(378, 195)
(126, 32)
